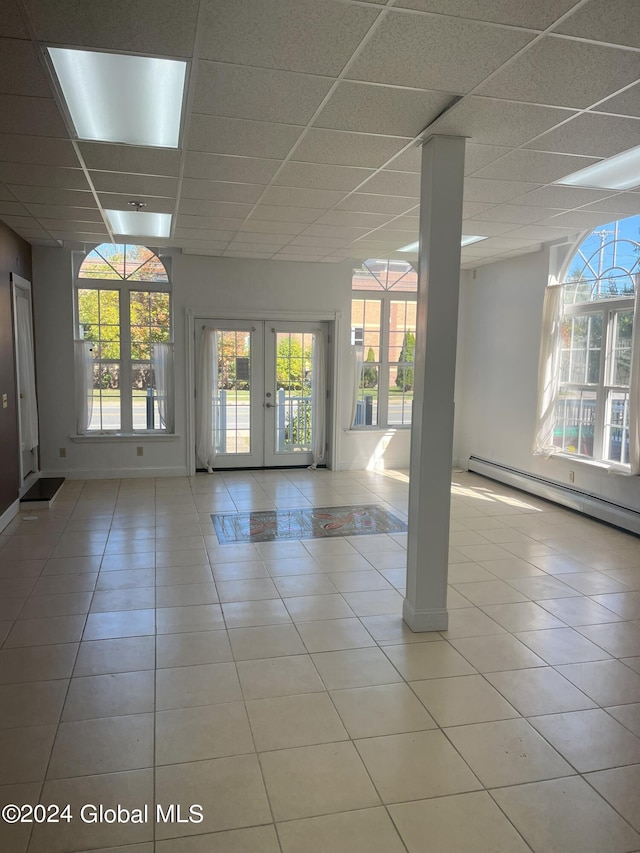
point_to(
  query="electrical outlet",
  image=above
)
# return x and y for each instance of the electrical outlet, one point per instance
(572, 476)
(63, 453)
(140, 451)
(5, 401)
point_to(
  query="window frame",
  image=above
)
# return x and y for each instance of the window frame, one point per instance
(384, 364)
(124, 287)
(608, 307)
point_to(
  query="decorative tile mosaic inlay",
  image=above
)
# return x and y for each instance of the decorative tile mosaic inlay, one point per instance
(311, 523)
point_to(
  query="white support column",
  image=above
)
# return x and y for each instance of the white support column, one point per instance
(425, 605)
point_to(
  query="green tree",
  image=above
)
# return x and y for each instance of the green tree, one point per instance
(370, 374)
(404, 378)
(293, 362)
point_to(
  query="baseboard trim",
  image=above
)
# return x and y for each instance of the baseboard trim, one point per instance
(116, 473)
(9, 514)
(588, 504)
(421, 621)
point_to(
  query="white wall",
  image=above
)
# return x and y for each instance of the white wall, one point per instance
(501, 316)
(205, 285)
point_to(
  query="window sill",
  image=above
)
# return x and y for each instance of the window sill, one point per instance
(118, 437)
(598, 464)
(367, 430)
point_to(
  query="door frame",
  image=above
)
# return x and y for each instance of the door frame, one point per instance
(333, 318)
(19, 283)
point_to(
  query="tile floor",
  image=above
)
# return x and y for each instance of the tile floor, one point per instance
(275, 685)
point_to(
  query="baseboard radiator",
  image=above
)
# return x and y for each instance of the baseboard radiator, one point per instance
(603, 510)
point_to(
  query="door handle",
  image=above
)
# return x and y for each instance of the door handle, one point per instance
(269, 405)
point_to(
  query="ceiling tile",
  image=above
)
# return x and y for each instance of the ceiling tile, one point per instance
(486, 229)
(369, 203)
(271, 213)
(20, 70)
(623, 203)
(285, 228)
(401, 223)
(5, 195)
(25, 221)
(320, 242)
(43, 176)
(578, 219)
(214, 246)
(134, 185)
(293, 35)
(594, 134)
(393, 183)
(494, 122)
(614, 21)
(309, 259)
(120, 201)
(540, 75)
(108, 157)
(258, 93)
(258, 237)
(11, 24)
(339, 232)
(31, 234)
(254, 255)
(53, 211)
(348, 217)
(320, 176)
(479, 189)
(220, 167)
(347, 149)
(409, 161)
(541, 232)
(536, 166)
(381, 109)
(220, 191)
(538, 15)
(244, 138)
(38, 150)
(13, 208)
(472, 208)
(49, 195)
(251, 248)
(200, 207)
(477, 156)
(398, 238)
(290, 249)
(514, 213)
(202, 235)
(436, 53)
(209, 223)
(80, 236)
(627, 103)
(53, 225)
(562, 198)
(135, 26)
(33, 116)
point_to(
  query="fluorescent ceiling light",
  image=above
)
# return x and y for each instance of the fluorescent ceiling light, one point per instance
(621, 172)
(465, 241)
(135, 223)
(116, 98)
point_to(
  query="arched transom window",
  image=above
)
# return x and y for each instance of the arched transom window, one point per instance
(124, 350)
(592, 411)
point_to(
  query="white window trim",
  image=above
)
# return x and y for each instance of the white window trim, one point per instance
(124, 287)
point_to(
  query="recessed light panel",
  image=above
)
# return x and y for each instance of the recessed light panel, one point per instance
(621, 172)
(117, 98)
(135, 223)
(465, 241)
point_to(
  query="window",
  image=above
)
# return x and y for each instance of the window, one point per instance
(592, 410)
(383, 323)
(123, 308)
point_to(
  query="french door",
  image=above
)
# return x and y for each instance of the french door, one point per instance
(263, 394)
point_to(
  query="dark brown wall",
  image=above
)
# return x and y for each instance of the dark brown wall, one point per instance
(15, 256)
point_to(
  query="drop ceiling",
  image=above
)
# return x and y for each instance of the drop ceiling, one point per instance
(302, 120)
